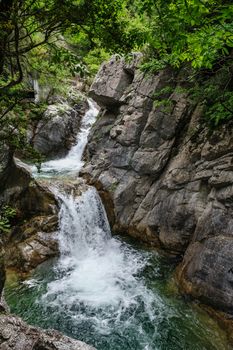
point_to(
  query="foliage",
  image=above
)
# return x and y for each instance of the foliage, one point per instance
(7, 213)
(215, 93)
(197, 34)
(194, 31)
(53, 41)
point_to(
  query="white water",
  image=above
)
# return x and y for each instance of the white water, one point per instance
(94, 269)
(73, 161)
(97, 276)
(98, 289)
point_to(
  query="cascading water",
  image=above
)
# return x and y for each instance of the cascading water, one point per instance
(95, 271)
(73, 161)
(101, 289)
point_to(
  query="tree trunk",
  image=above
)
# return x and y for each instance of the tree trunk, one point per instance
(5, 13)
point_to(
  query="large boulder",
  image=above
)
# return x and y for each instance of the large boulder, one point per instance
(56, 132)
(112, 80)
(169, 179)
(206, 272)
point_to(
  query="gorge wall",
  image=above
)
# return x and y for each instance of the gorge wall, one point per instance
(163, 176)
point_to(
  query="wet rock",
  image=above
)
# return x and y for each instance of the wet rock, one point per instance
(32, 243)
(16, 334)
(32, 239)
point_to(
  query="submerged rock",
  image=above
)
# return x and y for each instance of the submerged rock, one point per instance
(169, 180)
(16, 334)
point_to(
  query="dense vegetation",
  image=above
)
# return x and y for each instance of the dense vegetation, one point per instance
(196, 35)
(53, 41)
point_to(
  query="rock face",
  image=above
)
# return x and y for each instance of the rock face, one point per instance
(169, 179)
(33, 239)
(17, 335)
(55, 133)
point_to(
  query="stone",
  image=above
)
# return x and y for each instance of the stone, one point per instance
(167, 179)
(206, 272)
(32, 239)
(56, 132)
(16, 334)
(111, 82)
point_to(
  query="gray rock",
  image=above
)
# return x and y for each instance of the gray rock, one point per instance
(32, 239)
(16, 334)
(167, 179)
(206, 272)
(57, 130)
(112, 80)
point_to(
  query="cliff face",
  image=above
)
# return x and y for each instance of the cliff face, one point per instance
(164, 177)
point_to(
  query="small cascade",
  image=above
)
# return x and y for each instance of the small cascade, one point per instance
(72, 163)
(84, 227)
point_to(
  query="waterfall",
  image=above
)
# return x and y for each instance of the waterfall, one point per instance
(72, 163)
(36, 90)
(101, 289)
(98, 278)
(84, 226)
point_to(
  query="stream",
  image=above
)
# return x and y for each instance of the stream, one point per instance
(110, 292)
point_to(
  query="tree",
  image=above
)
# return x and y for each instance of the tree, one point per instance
(31, 32)
(195, 31)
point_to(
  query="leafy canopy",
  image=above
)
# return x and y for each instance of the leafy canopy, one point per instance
(195, 31)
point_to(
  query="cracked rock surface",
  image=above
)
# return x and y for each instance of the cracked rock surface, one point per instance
(163, 176)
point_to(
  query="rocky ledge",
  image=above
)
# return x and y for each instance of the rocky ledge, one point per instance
(16, 334)
(167, 179)
(32, 239)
